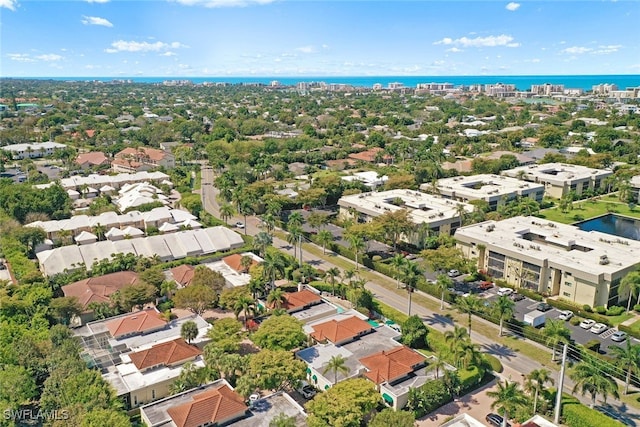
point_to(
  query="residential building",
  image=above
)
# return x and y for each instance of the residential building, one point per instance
(131, 196)
(560, 179)
(549, 257)
(369, 179)
(547, 89)
(496, 190)
(141, 159)
(231, 268)
(78, 182)
(463, 420)
(634, 190)
(92, 159)
(371, 155)
(217, 404)
(438, 214)
(33, 150)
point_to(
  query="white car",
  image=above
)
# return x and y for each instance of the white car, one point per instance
(504, 292)
(587, 323)
(453, 273)
(598, 328)
(565, 315)
(307, 390)
(619, 336)
(239, 224)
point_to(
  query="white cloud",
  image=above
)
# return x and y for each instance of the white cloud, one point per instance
(97, 1)
(513, 6)
(133, 46)
(306, 49)
(94, 20)
(454, 50)
(9, 4)
(489, 41)
(222, 3)
(25, 57)
(604, 50)
(20, 57)
(576, 50)
(49, 57)
(168, 53)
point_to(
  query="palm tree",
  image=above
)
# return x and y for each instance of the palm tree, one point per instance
(535, 383)
(294, 237)
(471, 355)
(443, 282)
(588, 378)
(631, 284)
(245, 262)
(246, 208)
(262, 241)
(333, 272)
(276, 298)
(357, 245)
(556, 332)
(272, 265)
(502, 308)
(629, 358)
(325, 237)
(244, 304)
(336, 364)
(99, 230)
(439, 363)
(469, 305)
(507, 399)
(462, 213)
(227, 211)
(410, 275)
(167, 287)
(453, 339)
(295, 219)
(189, 331)
(398, 262)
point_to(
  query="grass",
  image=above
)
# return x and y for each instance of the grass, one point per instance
(635, 327)
(586, 209)
(616, 320)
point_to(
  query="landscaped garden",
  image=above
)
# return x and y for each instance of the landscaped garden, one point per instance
(587, 209)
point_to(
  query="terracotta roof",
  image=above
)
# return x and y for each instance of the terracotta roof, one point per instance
(151, 153)
(168, 353)
(90, 132)
(93, 158)
(211, 406)
(98, 289)
(370, 155)
(391, 364)
(234, 261)
(300, 299)
(139, 322)
(183, 274)
(337, 331)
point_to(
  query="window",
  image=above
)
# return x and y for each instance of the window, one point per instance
(153, 394)
(566, 294)
(568, 284)
(135, 400)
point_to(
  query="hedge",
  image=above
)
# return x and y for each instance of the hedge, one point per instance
(629, 330)
(390, 313)
(561, 304)
(469, 379)
(494, 362)
(577, 415)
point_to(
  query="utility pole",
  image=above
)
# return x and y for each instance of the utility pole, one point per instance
(556, 418)
(300, 243)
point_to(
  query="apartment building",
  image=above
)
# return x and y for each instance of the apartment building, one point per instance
(550, 257)
(142, 159)
(634, 183)
(440, 215)
(33, 150)
(559, 179)
(496, 190)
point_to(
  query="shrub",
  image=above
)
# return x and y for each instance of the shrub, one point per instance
(615, 310)
(636, 308)
(577, 415)
(494, 362)
(587, 308)
(165, 305)
(376, 258)
(593, 345)
(562, 304)
(469, 379)
(428, 397)
(600, 309)
(575, 321)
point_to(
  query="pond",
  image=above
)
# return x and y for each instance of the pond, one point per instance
(616, 225)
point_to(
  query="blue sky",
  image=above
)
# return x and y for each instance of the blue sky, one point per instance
(191, 38)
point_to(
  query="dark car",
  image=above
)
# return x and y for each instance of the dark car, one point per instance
(543, 306)
(516, 297)
(495, 420)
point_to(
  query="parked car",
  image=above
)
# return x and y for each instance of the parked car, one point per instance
(307, 390)
(485, 285)
(565, 315)
(598, 328)
(587, 323)
(453, 273)
(503, 292)
(619, 336)
(495, 420)
(239, 224)
(543, 306)
(516, 297)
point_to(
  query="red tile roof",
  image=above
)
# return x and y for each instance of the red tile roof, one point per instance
(337, 331)
(98, 289)
(93, 158)
(143, 152)
(300, 299)
(139, 322)
(235, 262)
(369, 155)
(168, 353)
(391, 364)
(211, 406)
(183, 274)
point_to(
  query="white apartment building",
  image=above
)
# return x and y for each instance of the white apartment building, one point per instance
(493, 189)
(441, 215)
(547, 89)
(584, 267)
(560, 179)
(33, 150)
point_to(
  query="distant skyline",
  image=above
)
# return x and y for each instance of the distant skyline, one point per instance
(238, 38)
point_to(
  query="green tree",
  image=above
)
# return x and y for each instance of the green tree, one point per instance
(325, 237)
(507, 399)
(105, 417)
(189, 331)
(357, 245)
(414, 332)
(444, 259)
(273, 266)
(388, 417)
(283, 420)
(276, 298)
(443, 283)
(535, 383)
(65, 308)
(469, 305)
(271, 370)
(555, 333)
(346, 404)
(395, 224)
(589, 378)
(190, 377)
(411, 273)
(398, 262)
(337, 364)
(627, 357)
(333, 272)
(195, 298)
(204, 276)
(227, 211)
(502, 308)
(280, 333)
(262, 241)
(17, 386)
(246, 305)
(132, 296)
(630, 284)
(454, 338)
(225, 334)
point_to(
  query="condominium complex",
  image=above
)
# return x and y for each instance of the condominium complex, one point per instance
(440, 215)
(560, 179)
(584, 267)
(493, 189)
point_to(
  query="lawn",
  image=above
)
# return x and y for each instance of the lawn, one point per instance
(635, 327)
(586, 209)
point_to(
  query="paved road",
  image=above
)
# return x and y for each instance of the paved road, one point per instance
(514, 361)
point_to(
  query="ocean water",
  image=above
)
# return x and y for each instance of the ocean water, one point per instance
(585, 82)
